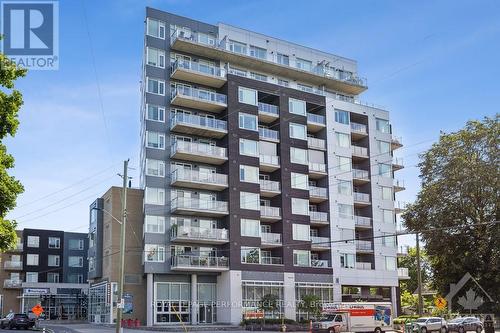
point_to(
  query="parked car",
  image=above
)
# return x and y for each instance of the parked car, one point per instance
(430, 324)
(17, 320)
(464, 324)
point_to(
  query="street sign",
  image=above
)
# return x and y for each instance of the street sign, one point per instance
(440, 303)
(37, 310)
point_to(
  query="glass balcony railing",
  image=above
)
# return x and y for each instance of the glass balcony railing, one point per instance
(362, 221)
(268, 108)
(269, 185)
(198, 94)
(268, 211)
(322, 242)
(187, 175)
(399, 183)
(397, 162)
(269, 159)
(271, 261)
(360, 174)
(317, 167)
(16, 265)
(198, 233)
(199, 262)
(364, 245)
(199, 204)
(198, 121)
(364, 265)
(315, 143)
(316, 118)
(199, 68)
(198, 149)
(318, 216)
(12, 283)
(319, 263)
(403, 273)
(359, 128)
(320, 192)
(267, 133)
(270, 238)
(359, 151)
(361, 197)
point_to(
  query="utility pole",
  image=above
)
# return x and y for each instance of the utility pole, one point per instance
(419, 278)
(120, 301)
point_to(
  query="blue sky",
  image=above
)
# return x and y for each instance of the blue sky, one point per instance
(433, 64)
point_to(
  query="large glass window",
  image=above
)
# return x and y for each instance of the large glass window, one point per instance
(250, 228)
(345, 211)
(156, 57)
(298, 131)
(258, 52)
(155, 196)
(250, 255)
(54, 260)
(297, 106)
(384, 170)
(342, 117)
(32, 259)
(155, 224)
(32, 277)
(386, 193)
(387, 216)
(155, 140)
(300, 206)
(382, 125)
(154, 253)
(390, 263)
(237, 47)
(155, 168)
(343, 139)
(303, 64)
(156, 28)
(249, 174)
(344, 163)
(54, 243)
(344, 187)
(283, 59)
(347, 260)
(299, 180)
(172, 301)
(76, 244)
(248, 121)
(249, 200)
(155, 113)
(389, 239)
(75, 261)
(301, 232)
(247, 96)
(249, 147)
(301, 258)
(298, 156)
(384, 146)
(155, 86)
(33, 241)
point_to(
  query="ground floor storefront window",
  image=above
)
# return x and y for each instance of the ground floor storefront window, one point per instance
(172, 302)
(57, 306)
(100, 301)
(323, 292)
(253, 293)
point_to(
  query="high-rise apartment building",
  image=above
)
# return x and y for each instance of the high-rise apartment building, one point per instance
(263, 174)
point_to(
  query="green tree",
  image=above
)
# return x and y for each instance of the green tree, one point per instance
(459, 197)
(268, 303)
(10, 103)
(409, 300)
(311, 305)
(410, 262)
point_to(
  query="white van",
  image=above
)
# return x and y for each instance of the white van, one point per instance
(355, 317)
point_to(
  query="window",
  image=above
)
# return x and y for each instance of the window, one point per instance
(298, 156)
(155, 168)
(384, 170)
(342, 117)
(250, 228)
(33, 241)
(257, 76)
(283, 59)
(298, 131)
(299, 181)
(54, 243)
(386, 192)
(301, 232)
(156, 28)
(249, 201)
(249, 174)
(76, 244)
(249, 147)
(387, 216)
(305, 87)
(247, 96)
(156, 57)
(346, 211)
(303, 64)
(301, 258)
(155, 86)
(347, 235)
(237, 71)
(53, 277)
(75, 278)
(31, 276)
(343, 139)
(75, 261)
(344, 187)
(283, 82)
(237, 47)
(155, 224)
(32, 259)
(343, 163)
(155, 196)
(347, 260)
(258, 52)
(383, 125)
(388, 239)
(384, 146)
(297, 106)
(92, 266)
(250, 255)
(206, 38)
(390, 263)
(54, 260)
(248, 121)
(155, 113)
(155, 140)
(154, 253)
(300, 206)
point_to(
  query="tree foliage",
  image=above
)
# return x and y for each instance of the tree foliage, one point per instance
(10, 103)
(458, 199)
(268, 303)
(311, 305)
(410, 262)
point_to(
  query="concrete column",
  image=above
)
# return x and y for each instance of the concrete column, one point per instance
(289, 295)
(194, 299)
(229, 297)
(394, 302)
(337, 292)
(149, 299)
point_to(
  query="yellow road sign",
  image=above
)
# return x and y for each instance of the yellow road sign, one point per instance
(440, 303)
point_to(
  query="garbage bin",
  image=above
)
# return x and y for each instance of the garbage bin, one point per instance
(488, 324)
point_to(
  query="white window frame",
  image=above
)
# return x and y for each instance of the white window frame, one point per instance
(301, 232)
(32, 277)
(33, 241)
(160, 54)
(252, 223)
(296, 202)
(154, 224)
(56, 258)
(242, 93)
(34, 261)
(161, 140)
(80, 261)
(161, 25)
(161, 112)
(159, 168)
(161, 86)
(248, 169)
(299, 181)
(349, 260)
(248, 200)
(241, 121)
(293, 155)
(294, 127)
(159, 256)
(296, 253)
(243, 141)
(291, 108)
(159, 193)
(57, 243)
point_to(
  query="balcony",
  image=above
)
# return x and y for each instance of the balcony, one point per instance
(399, 206)
(194, 263)
(318, 218)
(269, 188)
(396, 142)
(319, 263)
(358, 131)
(403, 273)
(320, 243)
(198, 180)
(198, 152)
(359, 152)
(364, 246)
(269, 239)
(192, 206)
(399, 185)
(12, 284)
(315, 122)
(196, 72)
(360, 176)
(198, 235)
(361, 199)
(317, 170)
(198, 99)
(364, 265)
(268, 112)
(362, 222)
(268, 135)
(271, 261)
(317, 194)
(17, 248)
(196, 125)
(269, 163)
(315, 143)
(13, 265)
(397, 164)
(270, 214)
(403, 250)
(331, 79)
